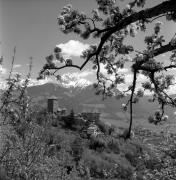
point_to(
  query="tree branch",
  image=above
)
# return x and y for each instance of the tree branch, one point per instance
(163, 49)
(162, 8)
(158, 10)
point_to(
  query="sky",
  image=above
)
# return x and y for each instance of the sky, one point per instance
(31, 26)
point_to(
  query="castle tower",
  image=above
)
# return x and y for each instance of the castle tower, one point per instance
(52, 104)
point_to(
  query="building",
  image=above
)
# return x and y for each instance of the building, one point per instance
(52, 104)
(62, 111)
(92, 129)
(91, 116)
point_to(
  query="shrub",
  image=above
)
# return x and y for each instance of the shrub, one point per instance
(103, 127)
(99, 168)
(77, 147)
(98, 143)
(113, 145)
(171, 152)
(106, 166)
(151, 119)
(133, 152)
(3, 174)
(153, 163)
(70, 120)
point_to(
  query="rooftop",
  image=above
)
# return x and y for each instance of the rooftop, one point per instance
(53, 97)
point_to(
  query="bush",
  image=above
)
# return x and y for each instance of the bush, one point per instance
(77, 147)
(107, 166)
(98, 167)
(103, 127)
(70, 120)
(3, 174)
(113, 145)
(153, 163)
(98, 143)
(151, 119)
(171, 152)
(133, 152)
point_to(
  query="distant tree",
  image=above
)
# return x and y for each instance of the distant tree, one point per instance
(72, 114)
(150, 119)
(70, 120)
(111, 25)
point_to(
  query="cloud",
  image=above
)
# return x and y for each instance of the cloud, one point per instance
(35, 82)
(140, 79)
(72, 48)
(129, 79)
(17, 65)
(172, 90)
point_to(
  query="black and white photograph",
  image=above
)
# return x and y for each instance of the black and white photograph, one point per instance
(87, 90)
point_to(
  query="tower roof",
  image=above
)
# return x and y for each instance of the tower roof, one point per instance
(53, 97)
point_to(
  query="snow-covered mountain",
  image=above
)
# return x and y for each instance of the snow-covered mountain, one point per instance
(68, 80)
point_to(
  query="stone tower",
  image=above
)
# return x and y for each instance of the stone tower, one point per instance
(52, 104)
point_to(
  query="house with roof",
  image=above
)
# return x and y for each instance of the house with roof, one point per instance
(93, 130)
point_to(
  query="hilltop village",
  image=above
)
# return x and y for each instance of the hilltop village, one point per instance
(88, 123)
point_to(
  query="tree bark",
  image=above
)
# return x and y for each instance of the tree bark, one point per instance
(131, 105)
